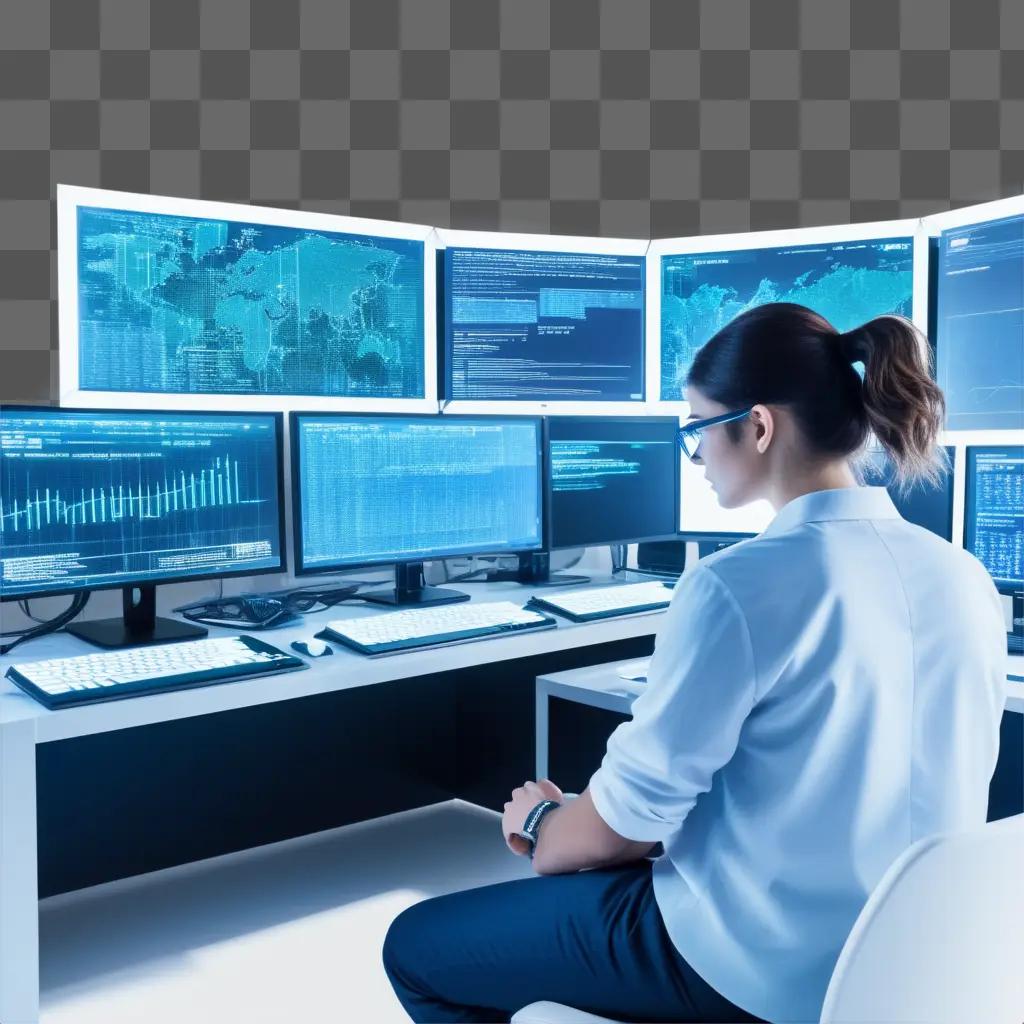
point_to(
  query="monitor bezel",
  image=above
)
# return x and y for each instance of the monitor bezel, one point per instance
(519, 241)
(549, 491)
(968, 216)
(72, 197)
(294, 417)
(282, 546)
(661, 247)
(1003, 586)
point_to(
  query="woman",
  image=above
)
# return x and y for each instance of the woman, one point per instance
(820, 697)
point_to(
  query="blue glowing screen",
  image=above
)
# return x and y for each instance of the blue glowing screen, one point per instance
(994, 513)
(612, 480)
(544, 326)
(380, 489)
(100, 499)
(185, 304)
(846, 282)
(979, 331)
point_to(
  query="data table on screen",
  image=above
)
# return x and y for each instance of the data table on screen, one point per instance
(523, 325)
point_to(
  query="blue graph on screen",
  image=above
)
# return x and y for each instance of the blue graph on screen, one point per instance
(184, 304)
(96, 500)
(846, 282)
(379, 490)
(528, 325)
(979, 340)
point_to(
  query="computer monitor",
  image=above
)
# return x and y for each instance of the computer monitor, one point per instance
(979, 317)
(926, 505)
(607, 480)
(374, 490)
(848, 273)
(97, 499)
(542, 324)
(611, 480)
(702, 519)
(994, 512)
(182, 303)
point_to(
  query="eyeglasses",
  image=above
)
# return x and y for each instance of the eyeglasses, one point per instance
(690, 436)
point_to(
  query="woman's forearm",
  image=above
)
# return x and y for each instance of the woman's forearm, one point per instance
(573, 837)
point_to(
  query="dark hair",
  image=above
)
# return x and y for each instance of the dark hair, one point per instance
(783, 353)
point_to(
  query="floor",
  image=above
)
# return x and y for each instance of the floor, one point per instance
(288, 932)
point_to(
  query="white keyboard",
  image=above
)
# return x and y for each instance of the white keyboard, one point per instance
(602, 602)
(424, 627)
(58, 682)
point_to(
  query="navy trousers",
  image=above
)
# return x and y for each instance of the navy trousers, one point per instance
(593, 940)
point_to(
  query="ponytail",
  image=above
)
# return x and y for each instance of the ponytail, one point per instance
(786, 354)
(905, 407)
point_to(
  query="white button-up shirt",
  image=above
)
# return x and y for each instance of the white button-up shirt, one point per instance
(820, 697)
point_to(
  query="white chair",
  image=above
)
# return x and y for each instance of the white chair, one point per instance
(941, 939)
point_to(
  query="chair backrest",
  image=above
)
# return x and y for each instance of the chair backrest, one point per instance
(941, 937)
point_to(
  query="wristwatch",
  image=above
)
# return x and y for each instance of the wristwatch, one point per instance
(531, 827)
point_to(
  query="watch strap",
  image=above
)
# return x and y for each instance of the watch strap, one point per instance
(531, 826)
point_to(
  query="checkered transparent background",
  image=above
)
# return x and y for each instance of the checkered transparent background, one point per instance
(637, 118)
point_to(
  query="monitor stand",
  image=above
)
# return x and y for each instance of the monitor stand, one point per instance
(138, 626)
(411, 590)
(534, 570)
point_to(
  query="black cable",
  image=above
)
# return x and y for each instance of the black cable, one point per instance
(25, 610)
(465, 577)
(648, 572)
(305, 599)
(16, 632)
(269, 608)
(78, 603)
(327, 588)
(23, 605)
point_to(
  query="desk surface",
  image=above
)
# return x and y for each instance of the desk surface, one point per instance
(344, 670)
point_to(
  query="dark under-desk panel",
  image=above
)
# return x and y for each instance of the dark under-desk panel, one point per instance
(120, 803)
(577, 739)
(496, 716)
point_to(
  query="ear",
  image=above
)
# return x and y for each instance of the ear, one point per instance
(764, 425)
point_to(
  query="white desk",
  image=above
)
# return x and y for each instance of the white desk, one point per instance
(600, 686)
(24, 723)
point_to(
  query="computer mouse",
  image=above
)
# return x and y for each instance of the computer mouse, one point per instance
(312, 648)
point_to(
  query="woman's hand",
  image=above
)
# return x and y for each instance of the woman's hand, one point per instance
(524, 799)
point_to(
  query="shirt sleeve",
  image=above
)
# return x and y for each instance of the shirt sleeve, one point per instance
(701, 685)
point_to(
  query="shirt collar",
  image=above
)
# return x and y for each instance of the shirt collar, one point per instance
(838, 503)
